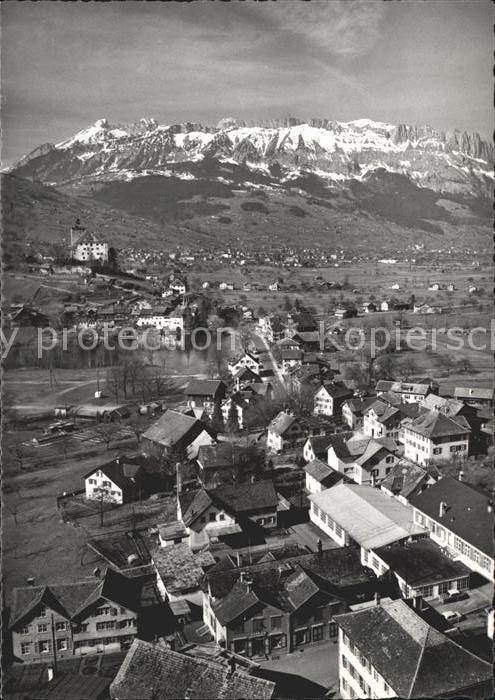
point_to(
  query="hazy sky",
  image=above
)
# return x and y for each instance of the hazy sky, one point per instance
(66, 64)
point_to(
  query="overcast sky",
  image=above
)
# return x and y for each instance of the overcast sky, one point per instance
(66, 64)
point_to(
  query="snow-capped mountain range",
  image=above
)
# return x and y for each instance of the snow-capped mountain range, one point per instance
(456, 162)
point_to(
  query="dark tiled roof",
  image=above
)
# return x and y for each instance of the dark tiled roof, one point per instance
(238, 601)
(204, 387)
(320, 443)
(179, 568)
(281, 423)
(404, 478)
(116, 471)
(218, 456)
(415, 659)
(337, 390)
(466, 514)
(434, 424)
(115, 588)
(150, 671)
(323, 473)
(340, 567)
(172, 427)
(359, 406)
(245, 497)
(421, 563)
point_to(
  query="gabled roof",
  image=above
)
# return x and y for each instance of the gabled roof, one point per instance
(71, 599)
(323, 473)
(239, 499)
(434, 424)
(204, 387)
(336, 390)
(118, 472)
(466, 514)
(473, 393)
(449, 407)
(246, 373)
(403, 387)
(415, 659)
(320, 443)
(218, 456)
(172, 427)
(281, 423)
(236, 603)
(370, 517)
(180, 568)
(359, 406)
(404, 477)
(149, 671)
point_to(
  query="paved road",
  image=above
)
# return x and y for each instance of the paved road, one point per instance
(319, 664)
(276, 371)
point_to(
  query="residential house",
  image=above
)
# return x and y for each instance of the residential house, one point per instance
(363, 459)
(369, 307)
(153, 671)
(384, 420)
(27, 316)
(218, 463)
(274, 287)
(434, 437)
(288, 430)
(353, 411)
(474, 395)
(171, 533)
(289, 343)
(459, 519)
(407, 479)
(410, 392)
(426, 663)
(245, 359)
(175, 433)
(224, 286)
(329, 399)
(309, 341)
(362, 514)
(87, 617)
(244, 376)
(290, 359)
(179, 572)
(88, 246)
(205, 393)
(279, 605)
(271, 328)
(316, 447)
(420, 568)
(113, 482)
(342, 312)
(225, 510)
(240, 404)
(320, 476)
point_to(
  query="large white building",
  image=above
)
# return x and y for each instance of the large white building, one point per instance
(86, 246)
(459, 519)
(435, 437)
(388, 650)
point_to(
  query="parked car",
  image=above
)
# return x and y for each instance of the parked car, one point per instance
(453, 595)
(453, 616)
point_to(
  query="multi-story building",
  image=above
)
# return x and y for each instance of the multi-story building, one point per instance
(383, 419)
(388, 650)
(205, 393)
(435, 437)
(278, 606)
(353, 411)
(460, 520)
(87, 246)
(77, 618)
(288, 430)
(329, 399)
(176, 433)
(365, 460)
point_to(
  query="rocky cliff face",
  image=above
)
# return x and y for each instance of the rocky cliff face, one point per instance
(457, 162)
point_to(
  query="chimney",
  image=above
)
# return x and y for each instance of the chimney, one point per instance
(442, 509)
(239, 561)
(49, 671)
(461, 475)
(320, 550)
(179, 478)
(417, 602)
(489, 507)
(31, 581)
(377, 598)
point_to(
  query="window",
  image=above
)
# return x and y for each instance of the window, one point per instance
(338, 531)
(42, 612)
(318, 633)
(276, 622)
(437, 450)
(61, 626)
(375, 563)
(25, 630)
(385, 687)
(389, 459)
(25, 647)
(221, 516)
(44, 647)
(107, 625)
(92, 481)
(485, 562)
(106, 483)
(212, 517)
(62, 644)
(43, 628)
(332, 629)
(258, 624)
